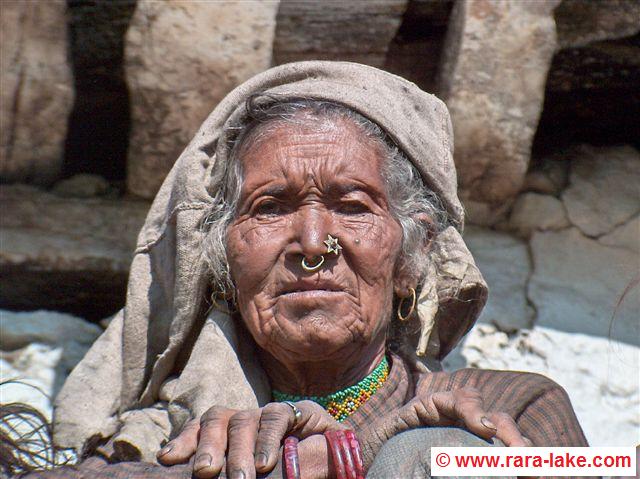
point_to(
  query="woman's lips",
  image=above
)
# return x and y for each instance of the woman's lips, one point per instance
(312, 293)
(311, 288)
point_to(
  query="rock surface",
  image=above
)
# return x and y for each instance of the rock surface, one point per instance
(577, 283)
(549, 177)
(496, 59)
(625, 236)
(36, 90)
(533, 212)
(81, 186)
(38, 350)
(600, 375)
(580, 23)
(504, 263)
(74, 335)
(351, 31)
(74, 253)
(604, 189)
(181, 59)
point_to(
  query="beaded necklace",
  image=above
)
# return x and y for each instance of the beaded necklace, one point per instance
(341, 404)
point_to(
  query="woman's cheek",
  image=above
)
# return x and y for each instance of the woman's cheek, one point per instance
(252, 254)
(375, 250)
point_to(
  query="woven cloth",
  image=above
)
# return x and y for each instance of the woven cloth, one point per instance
(163, 359)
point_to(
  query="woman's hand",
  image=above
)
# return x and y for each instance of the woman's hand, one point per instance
(462, 407)
(251, 439)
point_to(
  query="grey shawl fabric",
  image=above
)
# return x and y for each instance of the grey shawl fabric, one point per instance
(169, 356)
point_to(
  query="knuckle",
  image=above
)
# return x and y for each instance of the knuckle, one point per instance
(240, 420)
(275, 409)
(502, 418)
(190, 425)
(468, 394)
(214, 414)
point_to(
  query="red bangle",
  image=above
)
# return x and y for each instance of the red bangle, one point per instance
(347, 455)
(356, 452)
(336, 454)
(290, 454)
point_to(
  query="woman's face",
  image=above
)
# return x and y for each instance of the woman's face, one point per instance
(300, 185)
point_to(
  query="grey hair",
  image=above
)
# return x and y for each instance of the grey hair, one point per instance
(410, 201)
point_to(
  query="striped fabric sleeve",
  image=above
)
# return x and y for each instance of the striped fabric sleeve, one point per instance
(540, 407)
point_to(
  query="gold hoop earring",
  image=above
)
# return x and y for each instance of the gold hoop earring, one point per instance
(411, 309)
(312, 267)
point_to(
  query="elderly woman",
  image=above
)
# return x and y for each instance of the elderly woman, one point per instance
(317, 208)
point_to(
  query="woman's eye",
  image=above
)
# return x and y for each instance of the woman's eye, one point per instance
(353, 208)
(267, 208)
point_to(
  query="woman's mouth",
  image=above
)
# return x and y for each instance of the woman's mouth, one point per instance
(311, 288)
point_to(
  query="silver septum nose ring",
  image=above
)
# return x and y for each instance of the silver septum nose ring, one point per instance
(314, 263)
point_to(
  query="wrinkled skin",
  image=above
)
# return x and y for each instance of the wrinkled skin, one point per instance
(319, 331)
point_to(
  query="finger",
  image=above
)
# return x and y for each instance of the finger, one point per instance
(180, 449)
(314, 420)
(276, 420)
(212, 443)
(242, 433)
(465, 407)
(507, 430)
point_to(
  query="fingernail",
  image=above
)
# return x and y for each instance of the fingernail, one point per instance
(165, 450)
(487, 423)
(237, 474)
(528, 441)
(261, 460)
(202, 461)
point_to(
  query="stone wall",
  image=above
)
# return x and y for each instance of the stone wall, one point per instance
(99, 98)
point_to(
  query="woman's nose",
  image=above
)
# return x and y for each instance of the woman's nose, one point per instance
(313, 225)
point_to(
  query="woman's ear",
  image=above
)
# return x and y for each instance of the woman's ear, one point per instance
(403, 284)
(405, 279)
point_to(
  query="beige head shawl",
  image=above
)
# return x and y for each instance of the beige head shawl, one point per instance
(163, 358)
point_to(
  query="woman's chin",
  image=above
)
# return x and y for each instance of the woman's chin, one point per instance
(314, 336)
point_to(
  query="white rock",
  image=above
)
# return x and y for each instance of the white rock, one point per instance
(600, 375)
(624, 236)
(604, 189)
(31, 372)
(577, 283)
(181, 59)
(72, 335)
(532, 211)
(495, 62)
(36, 88)
(504, 263)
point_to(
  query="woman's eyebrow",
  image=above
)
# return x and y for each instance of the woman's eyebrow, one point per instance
(343, 189)
(274, 190)
(270, 190)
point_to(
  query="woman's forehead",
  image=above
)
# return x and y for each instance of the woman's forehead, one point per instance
(337, 158)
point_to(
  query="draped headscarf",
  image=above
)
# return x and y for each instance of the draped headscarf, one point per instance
(168, 355)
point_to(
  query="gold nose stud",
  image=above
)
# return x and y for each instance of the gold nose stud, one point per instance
(332, 245)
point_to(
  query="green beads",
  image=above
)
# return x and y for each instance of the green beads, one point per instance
(345, 402)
